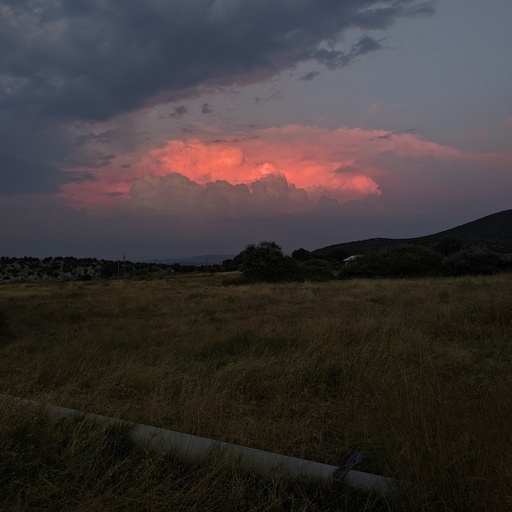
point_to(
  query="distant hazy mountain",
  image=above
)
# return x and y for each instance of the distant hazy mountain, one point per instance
(493, 231)
(206, 259)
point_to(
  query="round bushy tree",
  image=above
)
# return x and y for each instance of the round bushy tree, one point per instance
(301, 254)
(262, 262)
(266, 262)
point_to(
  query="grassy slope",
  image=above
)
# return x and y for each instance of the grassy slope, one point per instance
(420, 369)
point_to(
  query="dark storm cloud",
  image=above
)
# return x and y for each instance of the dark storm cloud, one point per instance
(95, 59)
(67, 61)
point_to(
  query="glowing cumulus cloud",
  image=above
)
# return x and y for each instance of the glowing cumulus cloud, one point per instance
(273, 170)
(306, 163)
(309, 159)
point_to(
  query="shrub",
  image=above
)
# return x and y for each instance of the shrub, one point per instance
(476, 261)
(317, 270)
(400, 261)
(266, 262)
(301, 254)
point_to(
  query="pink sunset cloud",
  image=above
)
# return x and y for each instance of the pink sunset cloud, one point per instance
(280, 170)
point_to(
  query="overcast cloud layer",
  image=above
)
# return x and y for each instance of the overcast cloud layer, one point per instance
(113, 112)
(94, 59)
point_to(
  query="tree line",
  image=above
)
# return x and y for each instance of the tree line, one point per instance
(266, 262)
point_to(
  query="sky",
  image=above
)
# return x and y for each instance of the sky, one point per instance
(168, 129)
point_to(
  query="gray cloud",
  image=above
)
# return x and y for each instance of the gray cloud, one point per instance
(175, 194)
(106, 137)
(206, 109)
(179, 112)
(333, 59)
(80, 176)
(365, 45)
(309, 76)
(388, 135)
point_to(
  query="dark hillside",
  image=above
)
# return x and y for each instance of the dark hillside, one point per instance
(492, 232)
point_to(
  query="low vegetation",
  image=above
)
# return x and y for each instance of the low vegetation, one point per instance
(265, 262)
(405, 261)
(417, 369)
(29, 269)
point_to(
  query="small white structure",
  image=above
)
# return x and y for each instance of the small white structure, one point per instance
(353, 257)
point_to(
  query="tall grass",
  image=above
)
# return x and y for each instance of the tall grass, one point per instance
(417, 369)
(72, 465)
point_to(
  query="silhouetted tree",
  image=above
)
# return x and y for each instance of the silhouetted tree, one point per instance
(301, 254)
(262, 262)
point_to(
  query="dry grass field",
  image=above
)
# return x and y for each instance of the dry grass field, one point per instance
(420, 370)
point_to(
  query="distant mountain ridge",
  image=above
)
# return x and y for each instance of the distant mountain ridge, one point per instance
(493, 232)
(197, 261)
